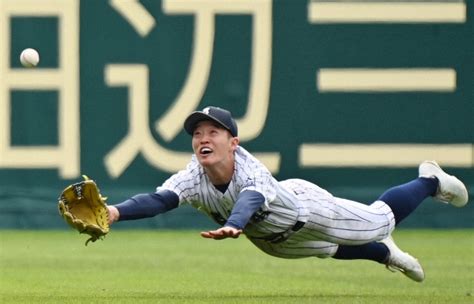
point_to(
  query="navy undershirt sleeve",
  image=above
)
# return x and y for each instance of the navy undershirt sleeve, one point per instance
(147, 205)
(248, 202)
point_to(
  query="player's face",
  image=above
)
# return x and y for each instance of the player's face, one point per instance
(212, 144)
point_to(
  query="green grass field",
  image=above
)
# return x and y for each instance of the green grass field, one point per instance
(181, 267)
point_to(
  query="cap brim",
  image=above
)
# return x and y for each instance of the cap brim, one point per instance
(196, 117)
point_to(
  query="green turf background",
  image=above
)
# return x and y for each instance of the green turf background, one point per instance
(181, 267)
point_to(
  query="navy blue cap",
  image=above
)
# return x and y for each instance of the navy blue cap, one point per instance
(218, 115)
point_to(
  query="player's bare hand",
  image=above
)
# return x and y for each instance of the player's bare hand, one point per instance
(113, 214)
(222, 233)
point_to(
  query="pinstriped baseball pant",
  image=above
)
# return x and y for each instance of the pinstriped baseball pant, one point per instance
(332, 222)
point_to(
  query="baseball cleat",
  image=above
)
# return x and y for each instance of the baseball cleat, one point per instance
(402, 261)
(450, 189)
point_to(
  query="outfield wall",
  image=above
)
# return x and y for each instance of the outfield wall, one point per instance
(341, 93)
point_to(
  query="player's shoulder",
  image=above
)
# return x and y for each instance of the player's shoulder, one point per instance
(246, 161)
(192, 170)
(243, 156)
(186, 178)
(243, 153)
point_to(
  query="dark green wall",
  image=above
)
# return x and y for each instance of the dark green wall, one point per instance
(298, 112)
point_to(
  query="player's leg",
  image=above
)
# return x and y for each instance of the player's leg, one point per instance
(354, 226)
(432, 181)
(384, 252)
(373, 251)
(302, 245)
(347, 222)
(405, 198)
(341, 221)
(296, 247)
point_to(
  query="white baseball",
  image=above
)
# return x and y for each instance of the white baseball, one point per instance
(29, 58)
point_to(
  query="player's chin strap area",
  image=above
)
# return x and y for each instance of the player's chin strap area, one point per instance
(276, 238)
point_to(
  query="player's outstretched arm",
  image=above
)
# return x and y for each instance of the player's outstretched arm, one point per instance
(222, 233)
(143, 205)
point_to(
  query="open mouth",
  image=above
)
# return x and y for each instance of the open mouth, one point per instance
(205, 151)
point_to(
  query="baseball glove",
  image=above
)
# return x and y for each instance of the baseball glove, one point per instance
(84, 209)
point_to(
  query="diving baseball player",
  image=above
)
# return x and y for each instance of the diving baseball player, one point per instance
(292, 218)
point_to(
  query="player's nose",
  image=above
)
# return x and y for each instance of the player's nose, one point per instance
(204, 139)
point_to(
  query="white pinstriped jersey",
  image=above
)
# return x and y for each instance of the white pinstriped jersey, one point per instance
(329, 220)
(280, 211)
(332, 221)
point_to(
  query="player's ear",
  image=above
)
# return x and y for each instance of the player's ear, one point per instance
(235, 142)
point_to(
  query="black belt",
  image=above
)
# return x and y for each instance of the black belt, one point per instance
(283, 236)
(298, 226)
